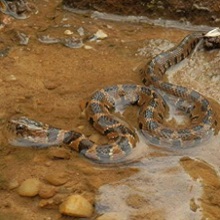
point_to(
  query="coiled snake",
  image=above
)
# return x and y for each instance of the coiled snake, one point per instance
(151, 116)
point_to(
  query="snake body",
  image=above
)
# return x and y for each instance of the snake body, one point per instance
(153, 108)
(16, 9)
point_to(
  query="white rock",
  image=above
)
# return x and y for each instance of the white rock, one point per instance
(77, 206)
(81, 31)
(68, 32)
(29, 187)
(109, 26)
(101, 34)
(87, 47)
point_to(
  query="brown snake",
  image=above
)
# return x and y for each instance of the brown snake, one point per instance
(151, 116)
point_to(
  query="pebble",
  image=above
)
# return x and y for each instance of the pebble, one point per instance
(46, 203)
(11, 78)
(112, 216)
(50, 85)
(68, 32)
(81, 31)
(87, 47)
(29, 187)
(51, 203)
(81, 127)
(47, 191)
(109, 26)
(57, 178)
(77, 206)
(101, 34)
(193, 205)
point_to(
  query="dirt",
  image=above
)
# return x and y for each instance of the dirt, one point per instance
(48, 82)
(197, 12)
(210, 180)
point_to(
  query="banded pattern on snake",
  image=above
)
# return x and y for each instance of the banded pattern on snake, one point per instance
(151, 116)
(17, 8)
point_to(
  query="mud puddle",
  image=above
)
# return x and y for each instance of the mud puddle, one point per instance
(47, 82)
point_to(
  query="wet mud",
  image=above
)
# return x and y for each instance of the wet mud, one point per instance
(49, 82)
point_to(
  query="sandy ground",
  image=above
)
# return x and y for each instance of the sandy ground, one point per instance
(47, 82)
(197, 12)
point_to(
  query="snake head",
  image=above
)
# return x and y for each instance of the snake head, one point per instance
(23, 124)
(27, 132)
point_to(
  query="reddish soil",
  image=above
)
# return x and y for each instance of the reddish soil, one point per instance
(197, 12)
(47, 83)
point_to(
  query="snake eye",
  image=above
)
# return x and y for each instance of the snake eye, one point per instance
(20, 128)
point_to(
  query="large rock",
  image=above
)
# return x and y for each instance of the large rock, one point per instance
(77, 206)
(29, 187)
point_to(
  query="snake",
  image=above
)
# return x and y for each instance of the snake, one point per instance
(151, 98)
(16, 9)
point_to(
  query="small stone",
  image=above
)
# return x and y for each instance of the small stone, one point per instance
(51, 203)
(101, 34)
(87, 47)
(76, 206)
(11, 78)
(81, 31)
(46, 191)
(65, 19)
(46, 203)
(50, 85)
(59, 153)
(193, 205)
(68, 32)
(112, 216)
(57, 178)
(29, 187)
(81, 127)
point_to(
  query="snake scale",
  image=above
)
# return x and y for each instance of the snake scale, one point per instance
(16, 8)
(153, 108)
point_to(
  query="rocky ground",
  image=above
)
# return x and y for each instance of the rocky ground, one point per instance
(197, 12)
(51, 62)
